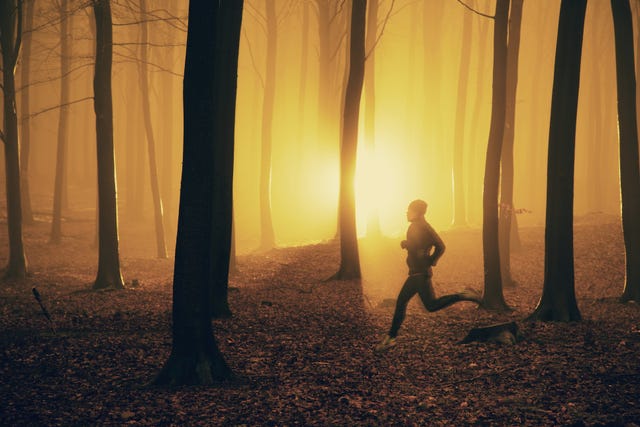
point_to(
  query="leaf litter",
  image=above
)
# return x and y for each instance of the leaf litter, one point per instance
(302, 347)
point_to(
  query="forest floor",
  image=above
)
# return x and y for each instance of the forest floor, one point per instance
(303, 347)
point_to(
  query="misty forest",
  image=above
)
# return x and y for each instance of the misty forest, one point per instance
(213, 212)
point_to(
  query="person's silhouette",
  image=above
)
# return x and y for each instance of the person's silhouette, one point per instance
(421, 240)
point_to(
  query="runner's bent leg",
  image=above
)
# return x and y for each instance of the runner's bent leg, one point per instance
(431, 303)
(408, 290)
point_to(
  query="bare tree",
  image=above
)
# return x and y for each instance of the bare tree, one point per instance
(10, 41)
(63, 121)
(558, 301)
(349, 256)
(161, 249)
(628, 131)
(507, 212)
(109, 275)
(210, 80)
(25, 110)
(493, 297)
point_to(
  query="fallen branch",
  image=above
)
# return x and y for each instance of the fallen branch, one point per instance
(36, 294)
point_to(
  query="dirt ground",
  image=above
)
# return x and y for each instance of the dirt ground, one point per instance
(303, 347)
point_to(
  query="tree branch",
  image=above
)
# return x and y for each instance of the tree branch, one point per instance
(2, 137)
(475, 11)
(379, 36)
(253, 61)
(46, 110)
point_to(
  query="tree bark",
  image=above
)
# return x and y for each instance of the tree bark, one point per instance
(109, 275)
(161, 248)
(25, 110)
(204, 217)
(10, 40)
(628, 131)
(558, 301)
(349, 256)
(493, 297)
(507, 211)
(267, 240)
(228, 37)
(63, 121)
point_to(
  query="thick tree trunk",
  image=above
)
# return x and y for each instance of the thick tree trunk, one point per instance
(349, 256)
(493, 297)
(205, 197)
(25, 110)
(628, 131)
(63, 121)
(459, 203)
(10, 25)
(109, 275)
(267, 240)
(507, 210)
(161, 249)
(558, 301)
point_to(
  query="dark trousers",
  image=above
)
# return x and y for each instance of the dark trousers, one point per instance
(419, 284)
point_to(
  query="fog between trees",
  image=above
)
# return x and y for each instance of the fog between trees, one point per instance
(417, 70)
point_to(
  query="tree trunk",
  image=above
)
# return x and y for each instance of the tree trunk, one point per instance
(459, 205)
(373, 219)
(63, 121)
(349, 257)
(25, 110)
(161, 249)
(10, 36)
(267, 240)
(507, 210)
(628, 131)
(109, 275)
(228, 36)
(432, 18)
(493, 297)
(205, 197)
(558, 301)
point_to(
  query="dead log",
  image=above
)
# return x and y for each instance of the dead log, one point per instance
(502, 333)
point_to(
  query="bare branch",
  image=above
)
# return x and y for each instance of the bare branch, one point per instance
(253, 61)
(46, 110)
(475, 11)
(384, 24)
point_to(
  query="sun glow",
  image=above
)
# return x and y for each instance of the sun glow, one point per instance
(380, 190)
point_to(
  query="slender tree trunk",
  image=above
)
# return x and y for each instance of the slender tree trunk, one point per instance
(63, 121)
(324, 65)
(267, 240)
(205, 197)
(10, 36)
(628, 131)
(349, 257)
(25, 110)
(507, 211)
(161, 249)
(373, 219)
(558, 301)
(459, 205)
(493, 297)
(109, 275)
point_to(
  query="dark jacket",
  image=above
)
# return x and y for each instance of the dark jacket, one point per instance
(421, 238)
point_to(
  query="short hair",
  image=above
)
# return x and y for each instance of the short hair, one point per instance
(418, 206)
